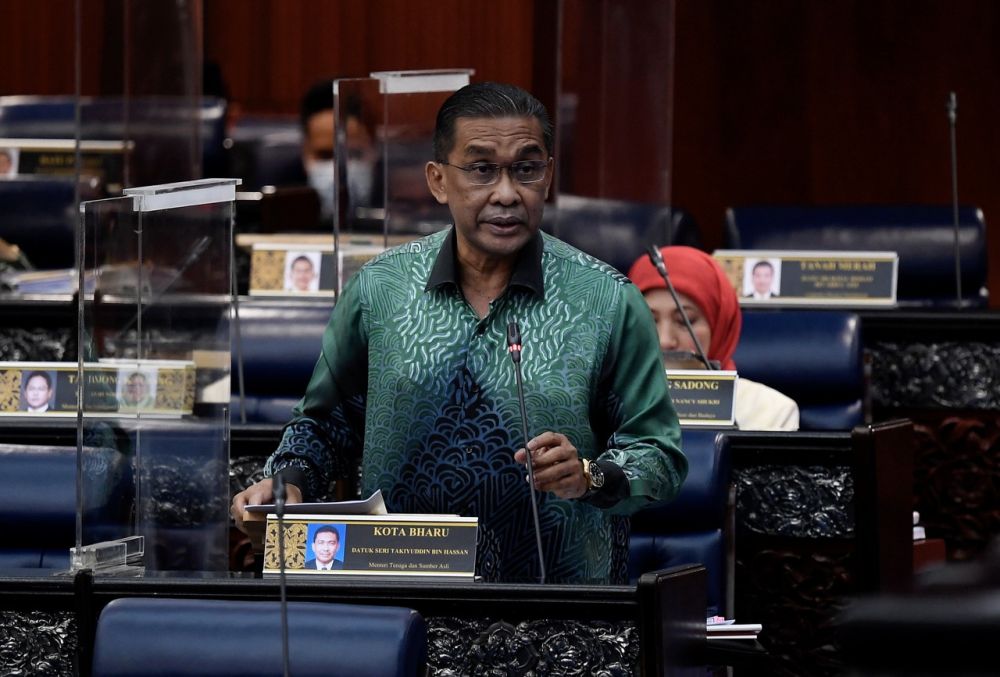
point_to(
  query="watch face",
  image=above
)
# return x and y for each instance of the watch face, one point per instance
(596, 476)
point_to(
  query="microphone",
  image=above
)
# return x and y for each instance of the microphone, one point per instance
(514, 348)
(661, 267)
(279, 510)
(952, 107)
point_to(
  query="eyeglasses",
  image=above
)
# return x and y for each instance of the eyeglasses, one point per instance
(488, 173)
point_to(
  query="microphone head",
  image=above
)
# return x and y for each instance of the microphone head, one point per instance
(656, 258)
(514, 335)
(278, 487)
(514, 342)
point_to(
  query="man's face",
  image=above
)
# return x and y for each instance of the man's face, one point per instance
(492, 222)
(302, 274)
(136, 389)
(325, 545)
(762, 278)
(318, 142)
(5, 164)
(36, 392)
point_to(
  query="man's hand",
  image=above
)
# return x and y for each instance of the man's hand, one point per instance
(556, 465)
(259, 494)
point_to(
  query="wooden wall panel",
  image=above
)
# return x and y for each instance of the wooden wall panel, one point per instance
(271, 51)
(836, 102)
(785, 101)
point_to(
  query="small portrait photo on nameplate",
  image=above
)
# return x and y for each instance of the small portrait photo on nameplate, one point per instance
(38, 391)
(8, 162)
(762, 279)
(278, 269)
(325, 549)
(136, 389)
(811, 278)
(408, 546)
(703, 397)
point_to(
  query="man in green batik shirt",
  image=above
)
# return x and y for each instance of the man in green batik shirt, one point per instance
(415, 375)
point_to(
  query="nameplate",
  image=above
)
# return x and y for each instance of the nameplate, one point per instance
(703, 397)
(58, 157)
(314, 270)
(374, 545)
(811, 278)
(153, 387)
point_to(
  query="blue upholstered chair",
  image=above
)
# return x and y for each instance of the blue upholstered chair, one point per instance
(150, 637)
(923, 236)
(38, 502)
(36, 213)
(618, 231)
(696, 527)
(812, 356)
(280, 342)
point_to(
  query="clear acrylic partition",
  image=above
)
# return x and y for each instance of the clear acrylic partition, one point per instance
(384, 138)
(615, 123)
(155, 333)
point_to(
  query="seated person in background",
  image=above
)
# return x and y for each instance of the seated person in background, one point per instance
(713, 309)
(318, 141)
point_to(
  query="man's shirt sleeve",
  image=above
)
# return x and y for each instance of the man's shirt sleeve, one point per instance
(327, 427)
(645, 435)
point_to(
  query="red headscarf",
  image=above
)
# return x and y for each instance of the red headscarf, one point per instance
(696, 275)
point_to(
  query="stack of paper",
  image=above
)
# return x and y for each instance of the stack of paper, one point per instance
(718, 627)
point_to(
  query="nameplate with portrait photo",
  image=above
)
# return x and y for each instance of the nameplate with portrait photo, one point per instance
(811, 278)
(408, 546)
(298, 270)
(703, 397)
(163, 388)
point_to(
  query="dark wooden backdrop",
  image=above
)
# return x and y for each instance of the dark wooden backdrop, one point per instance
(785, 101)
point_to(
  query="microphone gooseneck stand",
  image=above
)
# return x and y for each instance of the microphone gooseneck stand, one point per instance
(952, 119)
(656, 258)
(514, 348)
(279, 510)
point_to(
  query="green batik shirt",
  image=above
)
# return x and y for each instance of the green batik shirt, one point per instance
(410, 375)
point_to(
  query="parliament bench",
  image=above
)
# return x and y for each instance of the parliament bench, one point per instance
(922, 235)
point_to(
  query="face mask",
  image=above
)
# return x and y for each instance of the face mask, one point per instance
(320, 173)
(360, 179)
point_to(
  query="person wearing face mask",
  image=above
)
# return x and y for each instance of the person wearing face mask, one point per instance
(713, 309)
(318, 142)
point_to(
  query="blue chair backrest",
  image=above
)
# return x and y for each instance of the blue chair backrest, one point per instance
(153, 637)
(36, 214)
(38, 502)
(923, 236)
(693, 528)
(280, 341)
(812, 356)
(617, 231)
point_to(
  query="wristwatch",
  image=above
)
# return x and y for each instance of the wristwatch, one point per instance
(594, 474)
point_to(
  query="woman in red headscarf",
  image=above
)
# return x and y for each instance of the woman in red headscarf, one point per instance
(713, 309)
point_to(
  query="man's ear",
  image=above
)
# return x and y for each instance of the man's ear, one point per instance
(436, 182)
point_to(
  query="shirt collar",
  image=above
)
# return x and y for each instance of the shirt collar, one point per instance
(527, 269)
